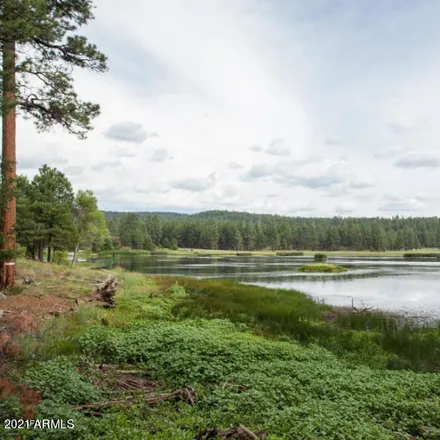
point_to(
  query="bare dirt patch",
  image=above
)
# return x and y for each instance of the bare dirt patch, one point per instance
(23, 313)
(29, 399)
(42, 291)
(45, 291)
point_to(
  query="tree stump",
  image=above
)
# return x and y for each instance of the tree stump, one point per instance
(105, 292)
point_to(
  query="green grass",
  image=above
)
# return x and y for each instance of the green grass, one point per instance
(279, 311)
(121, 252)
(422, 255)
(290, 254)
(220, 252)
(324, 268)
(373, 338)
(272, 360)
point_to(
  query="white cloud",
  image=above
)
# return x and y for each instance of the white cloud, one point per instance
(235, 166)
(160, 155)
(302, 80)
(415, 160)
(127, 131)
(345, 208)
(278, 148)
(398, 204)
(195, 184)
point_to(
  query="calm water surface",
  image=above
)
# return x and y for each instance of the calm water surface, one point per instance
(388, 283)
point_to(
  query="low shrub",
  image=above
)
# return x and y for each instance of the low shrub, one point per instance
(290, 254)
(59, 380)
(324, 268)
(177, 291)
(60, 257)
(320, 257)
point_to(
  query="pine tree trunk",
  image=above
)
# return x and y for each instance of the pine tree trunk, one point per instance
(49, 247)
(8, 205)
(75, 253)
(40, 250)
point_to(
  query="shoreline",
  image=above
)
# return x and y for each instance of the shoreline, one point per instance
(230, 253)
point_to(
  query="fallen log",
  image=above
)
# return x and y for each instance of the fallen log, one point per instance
(105, 292)
(185, 394)
(240, 433)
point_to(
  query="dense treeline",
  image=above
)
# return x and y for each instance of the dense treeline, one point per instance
(247, 232)
(51, 218)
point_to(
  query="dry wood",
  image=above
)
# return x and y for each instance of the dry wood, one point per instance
(248, 432)
(130, 384)
(239, 433)
(186, 394)
(105, 291)
(359, 310)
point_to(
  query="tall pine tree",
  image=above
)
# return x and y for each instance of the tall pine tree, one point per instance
(38, 49)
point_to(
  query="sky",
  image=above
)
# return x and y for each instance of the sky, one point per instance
(291, 107)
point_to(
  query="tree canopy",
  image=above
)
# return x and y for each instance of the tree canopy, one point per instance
(42, 33)
(51, 217)
(244, 231)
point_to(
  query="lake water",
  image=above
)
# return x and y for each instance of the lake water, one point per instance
(387, 283)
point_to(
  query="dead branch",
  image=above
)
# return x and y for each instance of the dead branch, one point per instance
(233, 385)
(185, 394)
(130, 384)
(248, 432)
(239, 433)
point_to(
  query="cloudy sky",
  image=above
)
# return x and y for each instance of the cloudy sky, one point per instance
(295, 107)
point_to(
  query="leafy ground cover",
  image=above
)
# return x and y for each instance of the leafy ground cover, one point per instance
(193, 357)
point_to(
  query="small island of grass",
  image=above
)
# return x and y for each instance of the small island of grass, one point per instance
(326, 268)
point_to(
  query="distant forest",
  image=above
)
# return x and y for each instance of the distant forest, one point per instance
(243, 231)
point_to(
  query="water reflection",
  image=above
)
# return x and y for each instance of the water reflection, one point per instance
(389, 283)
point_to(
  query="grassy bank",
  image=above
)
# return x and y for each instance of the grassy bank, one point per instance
(272, 360)
(323, 268)
(215, 252)
(435, 255)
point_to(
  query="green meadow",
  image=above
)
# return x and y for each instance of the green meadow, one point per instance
(274, 361)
